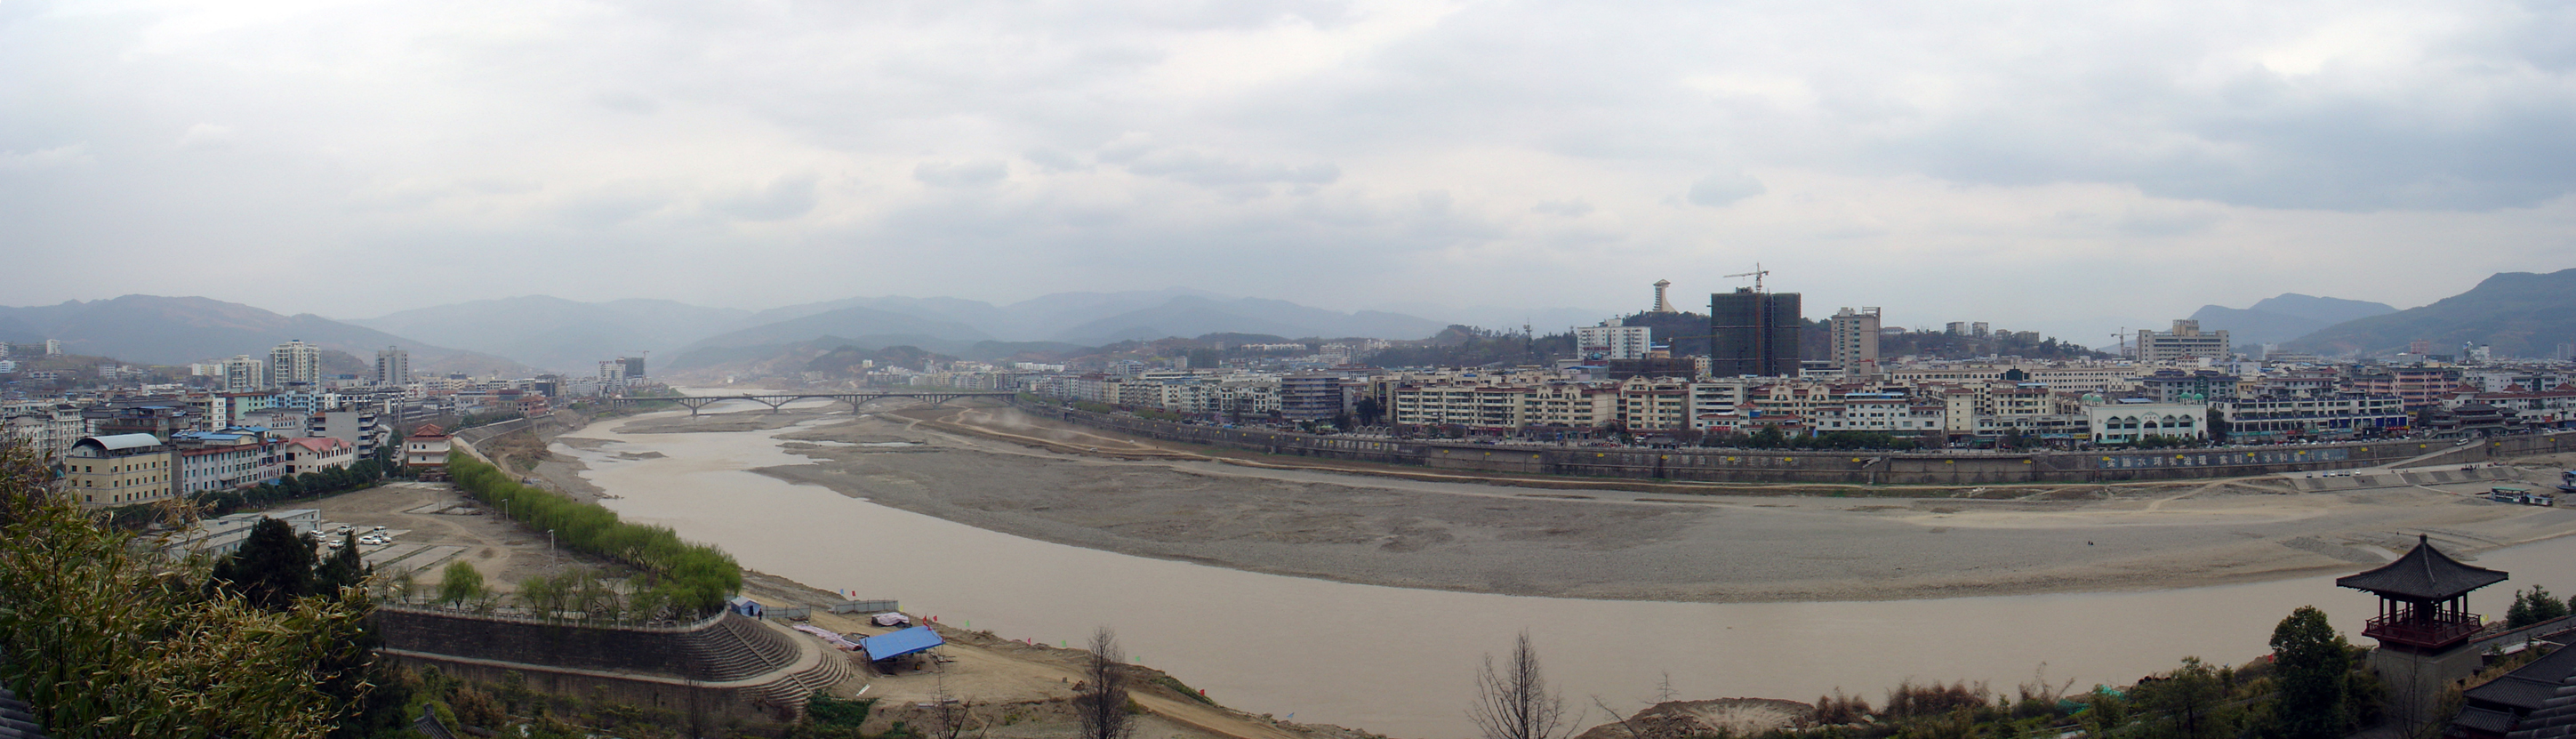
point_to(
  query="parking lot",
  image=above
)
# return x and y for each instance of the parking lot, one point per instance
(430, 524)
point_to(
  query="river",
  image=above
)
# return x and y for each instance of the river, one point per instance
(1400, 661)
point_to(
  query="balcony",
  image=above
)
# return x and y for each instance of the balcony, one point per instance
(2427, 630)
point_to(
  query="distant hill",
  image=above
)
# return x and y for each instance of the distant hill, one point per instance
(867, 328)
(2284, 317)
(2519, 314)
(563, 335)
(1194, 316)
(151, 329)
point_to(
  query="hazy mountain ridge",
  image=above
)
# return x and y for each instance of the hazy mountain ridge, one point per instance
(2519, 314)
(2284, 317)
(569, 335)
(152, 329)
(558, 334)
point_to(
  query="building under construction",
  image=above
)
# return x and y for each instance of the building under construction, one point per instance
(1754, 333)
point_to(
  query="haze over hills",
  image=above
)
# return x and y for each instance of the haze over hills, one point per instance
(569, 335)
(151, 329)
(2518, 314)
(2284, 317)
(558, 334)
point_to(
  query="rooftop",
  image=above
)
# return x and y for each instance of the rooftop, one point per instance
(2424, 573)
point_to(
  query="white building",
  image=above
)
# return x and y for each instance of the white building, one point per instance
(295, 361)
(243, 374)
(2124, 422)
(2185, 341)
(1611, 342)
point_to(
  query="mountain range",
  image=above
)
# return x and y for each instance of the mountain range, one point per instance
(151, 329)
(2518, 314)
(2283, 317)
(570, 335)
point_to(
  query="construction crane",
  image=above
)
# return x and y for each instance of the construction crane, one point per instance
(2123, 338)
(1756, 274)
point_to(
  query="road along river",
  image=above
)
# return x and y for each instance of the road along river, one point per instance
(1401, 661)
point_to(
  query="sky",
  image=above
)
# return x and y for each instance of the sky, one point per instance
(2067, 167)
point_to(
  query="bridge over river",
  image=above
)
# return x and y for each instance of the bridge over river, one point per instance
(776, 400)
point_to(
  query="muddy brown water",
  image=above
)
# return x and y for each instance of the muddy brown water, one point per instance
(1401, 661)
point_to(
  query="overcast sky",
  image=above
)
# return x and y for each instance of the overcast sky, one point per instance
(2071, 167)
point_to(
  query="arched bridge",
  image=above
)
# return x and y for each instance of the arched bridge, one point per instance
(774, 401)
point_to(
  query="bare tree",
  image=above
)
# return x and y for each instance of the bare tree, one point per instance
(1513, 700)
(953, 718)
(1103, 697)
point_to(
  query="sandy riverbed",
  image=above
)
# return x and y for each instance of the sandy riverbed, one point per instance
(1652, 545)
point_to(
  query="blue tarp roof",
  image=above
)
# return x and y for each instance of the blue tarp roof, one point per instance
(900, 643)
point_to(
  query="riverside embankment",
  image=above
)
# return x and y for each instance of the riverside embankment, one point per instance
(1832, 467)
(1398, 660)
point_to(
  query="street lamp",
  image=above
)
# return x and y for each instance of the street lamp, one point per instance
(550, 549)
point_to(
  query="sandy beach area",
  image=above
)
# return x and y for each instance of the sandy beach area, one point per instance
(1170, 502)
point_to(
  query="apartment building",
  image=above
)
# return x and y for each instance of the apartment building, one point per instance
(223, 460)
(118, 469)
(2184, 342)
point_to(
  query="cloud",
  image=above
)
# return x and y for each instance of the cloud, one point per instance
(783, 198)
(1724, 189)
(980, 173)
(1463, 149)
(1566, 208)
(66, 155)
(206, 136)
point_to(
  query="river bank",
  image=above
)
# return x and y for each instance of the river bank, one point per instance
(1615, 544)
(1397, 660)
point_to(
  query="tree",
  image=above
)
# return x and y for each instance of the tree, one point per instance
(2311, 661)
(1513, 700)
(2533, 607)
(273, 567)
(105, 640)
(343, 569)
(460, 584)
(952, 718)
(2189, 703)
(1102, 700)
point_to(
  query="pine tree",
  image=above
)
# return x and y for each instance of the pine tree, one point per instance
(343, 569)
(273, 567)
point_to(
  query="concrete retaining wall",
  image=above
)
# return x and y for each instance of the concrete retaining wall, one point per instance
(725, 667)
(1845, 467)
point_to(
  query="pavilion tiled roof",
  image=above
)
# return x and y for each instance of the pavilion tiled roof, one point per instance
(2424, 573)
(2555, 720)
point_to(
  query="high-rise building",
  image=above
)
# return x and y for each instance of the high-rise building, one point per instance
(243, 374)
(53, 347)
(1855, 337)
(2185, 341)
(1753, 333)
(1956, 328)
(1979, 329)
(295, 361)
(1611, 342)
(613, 370)
(393, 366)
(634, 366)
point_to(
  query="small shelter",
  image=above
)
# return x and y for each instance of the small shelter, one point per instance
(899, 643)
(746, 606)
